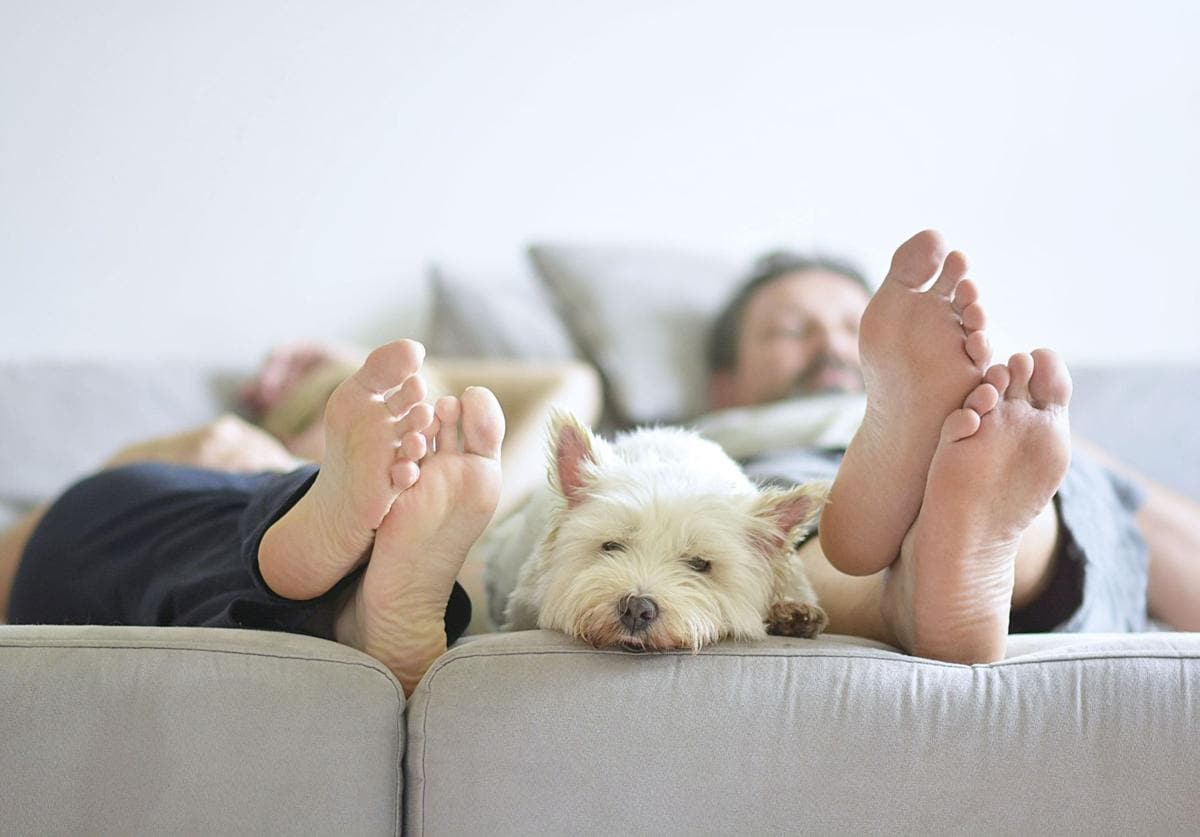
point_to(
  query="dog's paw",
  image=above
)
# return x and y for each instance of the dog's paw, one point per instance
(791, 618)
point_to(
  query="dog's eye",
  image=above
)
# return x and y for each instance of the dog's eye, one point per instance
(699, 564)
(612, 546)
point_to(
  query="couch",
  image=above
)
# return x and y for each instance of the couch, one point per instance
(128, 730)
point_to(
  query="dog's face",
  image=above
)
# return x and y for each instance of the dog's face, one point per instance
(660, 542)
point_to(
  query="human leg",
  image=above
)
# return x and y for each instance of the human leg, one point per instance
(949, 593)
(226, 444)
(922, 352)
(154, 543)
(1170, 526)
(854, 603)
(1081, 565)
(189, 543)
(405, 488)
(376, 428)
(394, 612)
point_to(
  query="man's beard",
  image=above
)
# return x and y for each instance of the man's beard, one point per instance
(806, 382)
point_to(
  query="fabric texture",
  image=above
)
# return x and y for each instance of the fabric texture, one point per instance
(642, 316)
(532, 733)
(821, 421)
(135, 731)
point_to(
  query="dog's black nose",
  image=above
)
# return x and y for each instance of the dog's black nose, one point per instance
(637, 612)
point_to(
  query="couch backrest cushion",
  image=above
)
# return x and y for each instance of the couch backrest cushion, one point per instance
(61, 419)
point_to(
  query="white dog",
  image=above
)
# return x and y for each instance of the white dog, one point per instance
(655, 541)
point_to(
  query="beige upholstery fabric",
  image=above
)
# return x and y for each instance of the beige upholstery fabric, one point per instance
(129, 731)
(532, 733)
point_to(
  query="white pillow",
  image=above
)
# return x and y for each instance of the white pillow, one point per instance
(641, 315)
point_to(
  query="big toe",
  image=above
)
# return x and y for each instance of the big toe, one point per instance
(391, 365)
(1050, 382)
(482, 422)
(917, 260)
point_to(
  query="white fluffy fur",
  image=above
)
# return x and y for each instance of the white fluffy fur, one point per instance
(666, 496)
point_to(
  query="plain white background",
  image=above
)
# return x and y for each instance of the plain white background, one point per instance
(202, 180)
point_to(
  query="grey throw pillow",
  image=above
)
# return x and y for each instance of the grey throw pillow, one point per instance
(513, 317)
(62, 419)
(642, 315)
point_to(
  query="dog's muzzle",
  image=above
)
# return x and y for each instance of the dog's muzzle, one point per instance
(637, 613)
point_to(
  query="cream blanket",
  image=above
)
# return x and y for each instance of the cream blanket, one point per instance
(818, 421)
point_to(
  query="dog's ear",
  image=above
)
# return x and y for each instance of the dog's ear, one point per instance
(788, 515)
(572, 446)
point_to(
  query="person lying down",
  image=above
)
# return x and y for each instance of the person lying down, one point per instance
(957, 510)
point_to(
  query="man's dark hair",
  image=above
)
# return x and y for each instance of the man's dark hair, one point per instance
(723, 339)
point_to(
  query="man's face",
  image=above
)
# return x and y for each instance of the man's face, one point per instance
(799, 336)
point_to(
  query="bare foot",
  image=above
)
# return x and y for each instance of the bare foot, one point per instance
(376, 428)
(997, 466)
(396, 611)
(922, 352)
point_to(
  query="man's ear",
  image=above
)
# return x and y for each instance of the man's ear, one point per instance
(721, 390)
(788, 515)
(572, 449)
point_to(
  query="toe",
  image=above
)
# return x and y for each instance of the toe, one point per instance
(404, 474)
(1020, 368)
(448, 410)
(390, 364)
(979, 348)
(414, 446)
(965, 293)
(411, 392)
(483, 422)
(954, 270)
(1050, 383)
(917, 260)
(982, 399)
(974, 318)
(419, 417)
(997, 376)
(960, 424)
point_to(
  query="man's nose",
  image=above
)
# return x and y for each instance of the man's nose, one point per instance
(827, 341)
(838, 342)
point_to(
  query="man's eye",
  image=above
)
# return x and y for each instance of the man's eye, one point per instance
(612, 546)
(699, 564)
(788, 332)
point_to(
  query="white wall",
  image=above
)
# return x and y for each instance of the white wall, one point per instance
(204, 179)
